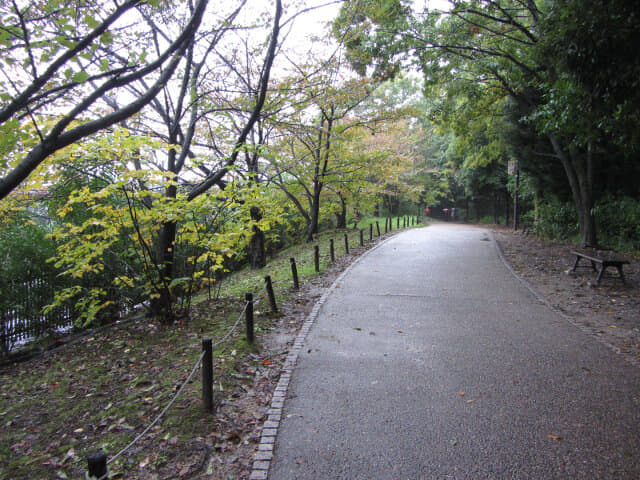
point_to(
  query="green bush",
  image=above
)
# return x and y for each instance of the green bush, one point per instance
(618, 222)
(556, 220)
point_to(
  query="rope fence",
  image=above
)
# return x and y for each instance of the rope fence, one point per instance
(97, 461)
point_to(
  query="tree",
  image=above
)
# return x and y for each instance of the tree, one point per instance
(494, 45)
(188, 145)
(58, 77)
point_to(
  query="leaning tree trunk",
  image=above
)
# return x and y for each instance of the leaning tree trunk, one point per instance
(579, 169)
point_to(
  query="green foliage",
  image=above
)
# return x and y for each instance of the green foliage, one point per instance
(618, 220)
(112, 254)
(555, 220)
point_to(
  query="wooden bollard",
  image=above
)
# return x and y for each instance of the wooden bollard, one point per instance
(404, 222)
(294, 273)
(207, 375)
(378, 227)
(398, 222)
(316, 258)
(97, 465)
(386, 225)
(370, 231)
(361, 238)
(346, 244)
(270, 294)
(332, 252)
(249, 317)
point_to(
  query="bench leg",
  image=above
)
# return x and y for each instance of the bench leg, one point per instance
(600, 273)
(593, 266)
(624, 280)
(575, 265)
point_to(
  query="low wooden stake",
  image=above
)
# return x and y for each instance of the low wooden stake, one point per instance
(249, 317)
(294, 273)
(270, 294)
(207, 375)
(97, 465)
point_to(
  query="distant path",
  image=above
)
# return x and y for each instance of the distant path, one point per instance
(431, 361)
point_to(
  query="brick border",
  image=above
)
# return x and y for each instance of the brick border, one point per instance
(263, 457)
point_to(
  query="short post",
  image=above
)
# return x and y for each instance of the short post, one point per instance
(332, 252)
(390, 220)
(346, 244)
(207, 375)
(404, 222)
(361, 238)
(249, 317)
(270, 294)
(316, 257)
(398, 222)
(294, 273)
(97, 465)
(378, 227)
(370, 231)
(386, 225)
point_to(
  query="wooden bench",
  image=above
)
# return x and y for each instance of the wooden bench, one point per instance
(597, 257)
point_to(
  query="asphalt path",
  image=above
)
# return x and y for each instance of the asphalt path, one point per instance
(430, 360)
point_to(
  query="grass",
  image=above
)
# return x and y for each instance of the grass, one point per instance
(101, 391)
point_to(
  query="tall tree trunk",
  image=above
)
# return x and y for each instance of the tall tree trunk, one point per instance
(257, 254)
(341, 216)
(507, 209)
(314, 217)
(162, 306)
(579, 169)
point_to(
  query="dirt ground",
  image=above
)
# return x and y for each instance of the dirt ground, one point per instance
(225, 448)
(610, 311)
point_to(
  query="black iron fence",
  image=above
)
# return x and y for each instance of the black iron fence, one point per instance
(22, 311)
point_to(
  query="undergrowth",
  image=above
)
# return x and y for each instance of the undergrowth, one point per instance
(103, 390)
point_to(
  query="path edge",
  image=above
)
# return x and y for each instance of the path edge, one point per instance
(265, 454)
(558, 312)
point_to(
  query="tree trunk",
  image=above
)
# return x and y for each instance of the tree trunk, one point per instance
(507, 209)
(314, 218)
(341, 216)
(516, 196)
(162, 306)
(257, 254)
(579, 169)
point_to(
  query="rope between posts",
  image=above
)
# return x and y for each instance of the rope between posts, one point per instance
(233, 327)
(161, 414)
(175, 397)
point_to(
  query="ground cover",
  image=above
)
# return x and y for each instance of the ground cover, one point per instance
(103, 390)
(609, 312)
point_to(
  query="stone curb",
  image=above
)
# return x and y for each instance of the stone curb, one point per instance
(263, 457)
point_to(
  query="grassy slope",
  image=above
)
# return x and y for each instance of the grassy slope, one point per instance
(103, 390)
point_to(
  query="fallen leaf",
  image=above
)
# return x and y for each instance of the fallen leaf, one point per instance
(612, 326)
(555, 437)
(372, 333)
(144, 463)
(266, 362)
(461, 393)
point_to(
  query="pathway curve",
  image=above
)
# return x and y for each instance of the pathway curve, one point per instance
(429, 360)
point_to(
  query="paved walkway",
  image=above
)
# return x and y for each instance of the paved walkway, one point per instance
(431, 361)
